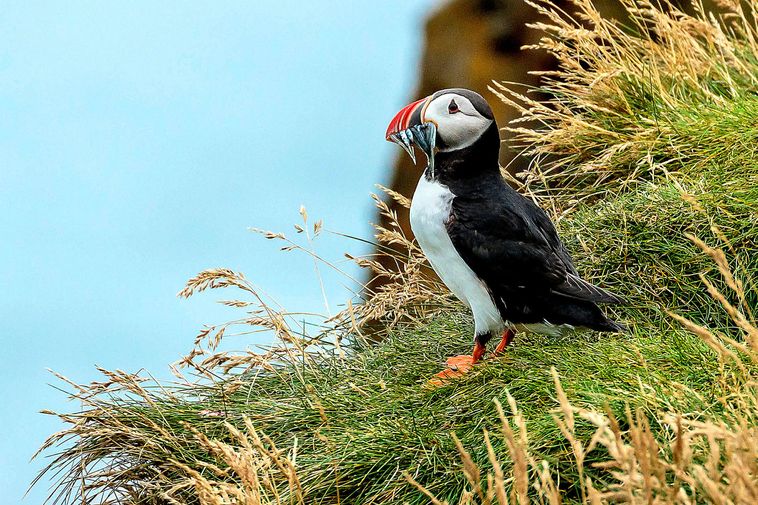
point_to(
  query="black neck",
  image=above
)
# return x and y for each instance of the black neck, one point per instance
(481, 158)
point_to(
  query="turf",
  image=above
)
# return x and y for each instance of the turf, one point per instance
(359, 422)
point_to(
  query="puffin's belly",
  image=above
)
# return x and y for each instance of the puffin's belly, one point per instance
(430, 209)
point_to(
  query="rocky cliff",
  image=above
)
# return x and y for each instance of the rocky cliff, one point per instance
(468, 44)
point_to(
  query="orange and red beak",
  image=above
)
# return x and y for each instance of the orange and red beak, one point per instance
(402, 120)
(408, 128)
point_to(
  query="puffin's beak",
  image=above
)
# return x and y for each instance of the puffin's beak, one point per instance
(408, 128)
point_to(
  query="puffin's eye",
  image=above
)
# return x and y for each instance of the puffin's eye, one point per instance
(453, 107)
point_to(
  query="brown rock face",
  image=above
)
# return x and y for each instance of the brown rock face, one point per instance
(468, 44)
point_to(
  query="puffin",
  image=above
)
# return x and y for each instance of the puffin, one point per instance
(496, 250)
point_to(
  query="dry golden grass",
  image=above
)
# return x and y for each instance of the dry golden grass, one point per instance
(629, 102)
(689, 457)
(256, 463)
(407, 295)
(251, 468)
(700, 460)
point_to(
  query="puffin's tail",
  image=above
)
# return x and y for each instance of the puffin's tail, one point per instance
(610, 325)
(583, 313)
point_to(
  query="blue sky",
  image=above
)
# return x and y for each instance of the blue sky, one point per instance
(140, 140)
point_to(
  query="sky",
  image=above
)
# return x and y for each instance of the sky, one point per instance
(139, 141)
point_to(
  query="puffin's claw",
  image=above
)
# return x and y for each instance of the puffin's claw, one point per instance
(457, 366)
(444, 377)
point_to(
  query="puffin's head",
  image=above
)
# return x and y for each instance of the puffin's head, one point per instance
(448, 120)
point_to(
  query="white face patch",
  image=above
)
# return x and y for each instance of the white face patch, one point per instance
(458, 122)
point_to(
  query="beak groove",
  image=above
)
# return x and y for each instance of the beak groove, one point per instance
(402, 120)
(407, 130)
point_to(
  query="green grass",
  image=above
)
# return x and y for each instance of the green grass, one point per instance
(360, 422)
(378, 418)
(636, 244)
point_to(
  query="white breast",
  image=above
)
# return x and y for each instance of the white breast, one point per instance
(430, 210)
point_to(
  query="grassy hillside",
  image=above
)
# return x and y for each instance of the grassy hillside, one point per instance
(646, 155)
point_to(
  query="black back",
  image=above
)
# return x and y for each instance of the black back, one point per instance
(511, 244)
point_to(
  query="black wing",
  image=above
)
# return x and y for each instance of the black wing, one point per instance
(511, 244)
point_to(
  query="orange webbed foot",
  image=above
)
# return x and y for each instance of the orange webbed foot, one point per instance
(462, 362)
(445, 376)
(458, 366)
